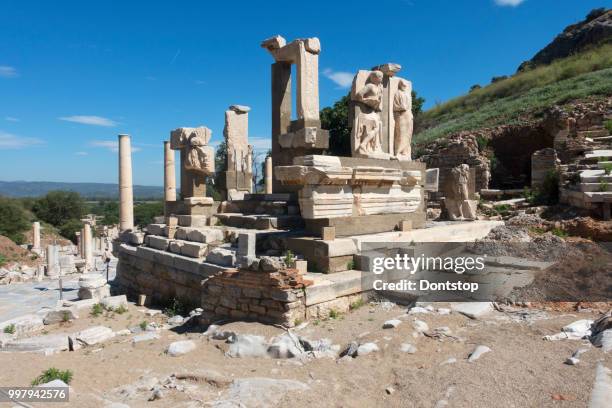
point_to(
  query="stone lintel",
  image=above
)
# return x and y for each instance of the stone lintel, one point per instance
(308, 138)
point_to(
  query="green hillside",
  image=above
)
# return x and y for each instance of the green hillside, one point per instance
(524, 95)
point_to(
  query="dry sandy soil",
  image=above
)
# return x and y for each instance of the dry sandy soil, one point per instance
(522, 370)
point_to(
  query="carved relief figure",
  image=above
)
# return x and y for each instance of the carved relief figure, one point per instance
(402, 113)
(368, 124)
(457, 202)
(199, 159)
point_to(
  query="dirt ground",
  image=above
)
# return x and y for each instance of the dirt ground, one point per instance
(522, 370)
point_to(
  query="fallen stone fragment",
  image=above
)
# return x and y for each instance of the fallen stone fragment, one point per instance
(24, 324)
(285, 346)
(420, 326)
(178, 348)
(114, 302)
(473, 310)
(54, 384)
(367, 348)
(573, 331)
(60, 315)
(145, 337)
(176, 320)
(418, 310)
(157, 394)
(444, 311)
(572, 361)
(408, 348)
(451, 360)
(89, 337)
(603, 340)
(602, 388)
(391, 324)
(204, 375)
(247, 345)
(116, 405)
(350, 350)
(477, 353)
(389, 390)
(46, 344)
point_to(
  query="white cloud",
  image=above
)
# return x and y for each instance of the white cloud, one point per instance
(112, 145)
(89, 120)
(260, 143)
(509, 3)
(81, 153)
(11, 141)
(8, 72)
(342, 79)
(11, 119)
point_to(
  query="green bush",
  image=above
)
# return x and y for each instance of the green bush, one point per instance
(59, 207)
(69, 229)
(96, 310)
(176, 307)
(53, 374)
(145, 212)
(10, 329)
(289, 259)
(14, 220)
(548, 194)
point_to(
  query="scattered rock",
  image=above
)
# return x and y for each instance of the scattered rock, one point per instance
(176, 320)
(408, 348)
(157, 394)
(54, 384)
(451, 360)
(420, 326)
(271, 264)
(285, 346)
(179, 348)
(477, 353)
(145, 337)
(367, 348)
(24, 324)
(46, 344)
(444, 311)
(350, 350)
(572, 361)
(114, 302)
(602, 388)
(60, 315)
(418, 310)
(389, 390)
(473, 310)
(247, 345)
(258, 392)
(89, 337)
(391, 324)
(603, 340)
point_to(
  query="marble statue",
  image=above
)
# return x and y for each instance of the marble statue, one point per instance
(402, 113)
(457, 197)
(368, 126)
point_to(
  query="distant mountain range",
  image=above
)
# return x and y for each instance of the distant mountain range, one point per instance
(87, 190)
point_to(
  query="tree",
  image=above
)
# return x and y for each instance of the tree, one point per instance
(57, 207)
(69, 228)
(13, 220)
(335, 119)
(108, 210)
(145, 212)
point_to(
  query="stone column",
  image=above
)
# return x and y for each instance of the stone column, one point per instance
(87, 246)
(52, 261)
(268, 175)
(36, 236)
(79, 244)
(126, 195)
(169, 173)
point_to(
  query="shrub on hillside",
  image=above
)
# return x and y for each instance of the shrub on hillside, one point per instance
(59, 207)
(145, 212)
(14, 220)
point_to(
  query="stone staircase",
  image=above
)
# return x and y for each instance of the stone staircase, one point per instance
(587, 180)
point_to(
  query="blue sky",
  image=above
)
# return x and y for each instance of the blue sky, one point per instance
(74, 74)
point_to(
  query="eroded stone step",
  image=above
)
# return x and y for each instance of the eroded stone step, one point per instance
(177, 246)
(602, 186)
(261, 222)
(593, 133)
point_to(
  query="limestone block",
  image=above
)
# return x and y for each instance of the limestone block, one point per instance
(326, 201)
(432, 177)
(301, 266)
(376, 175)
(95, 293)
(47, 343)
(114, 302)
(328, 233)
(192, 220)
(176, 246)
(405, 225)
(169, 232)
(91, 281)
(194, 249)
(156, 229)
(157, 242)
(370, 199)
(305, 138)
(180, 137)
(221, 256)
(62, 314)
(246, 244)
(24, 324)
(179, 348)
(133, 238)
(207, 235)
(89, 337)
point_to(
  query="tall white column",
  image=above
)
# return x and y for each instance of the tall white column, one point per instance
(126, 195)
(169, 173)
(79, 236)
(36, 236)
(87, 246)
(52, 261)
(268, 175)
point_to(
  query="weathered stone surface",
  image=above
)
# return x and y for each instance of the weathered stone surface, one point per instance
(148, 336)
(367, 348)
(156, 229)
(24, 324)
(92, 281)
(477, 353)
(206, 235)
(194, 249)
(64, 314)
(48, 343)
(391, 324)
(157, 242)
(221, 256)
(473, 310)
(90, 336)
(179, 348)
(285, 346)
(408, 348)
(114, 302)
(195, 221)
(247, 345)
(258, 392)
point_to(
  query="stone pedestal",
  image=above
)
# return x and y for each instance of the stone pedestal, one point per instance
(126, 195)
(52, 260)
(351, 191)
